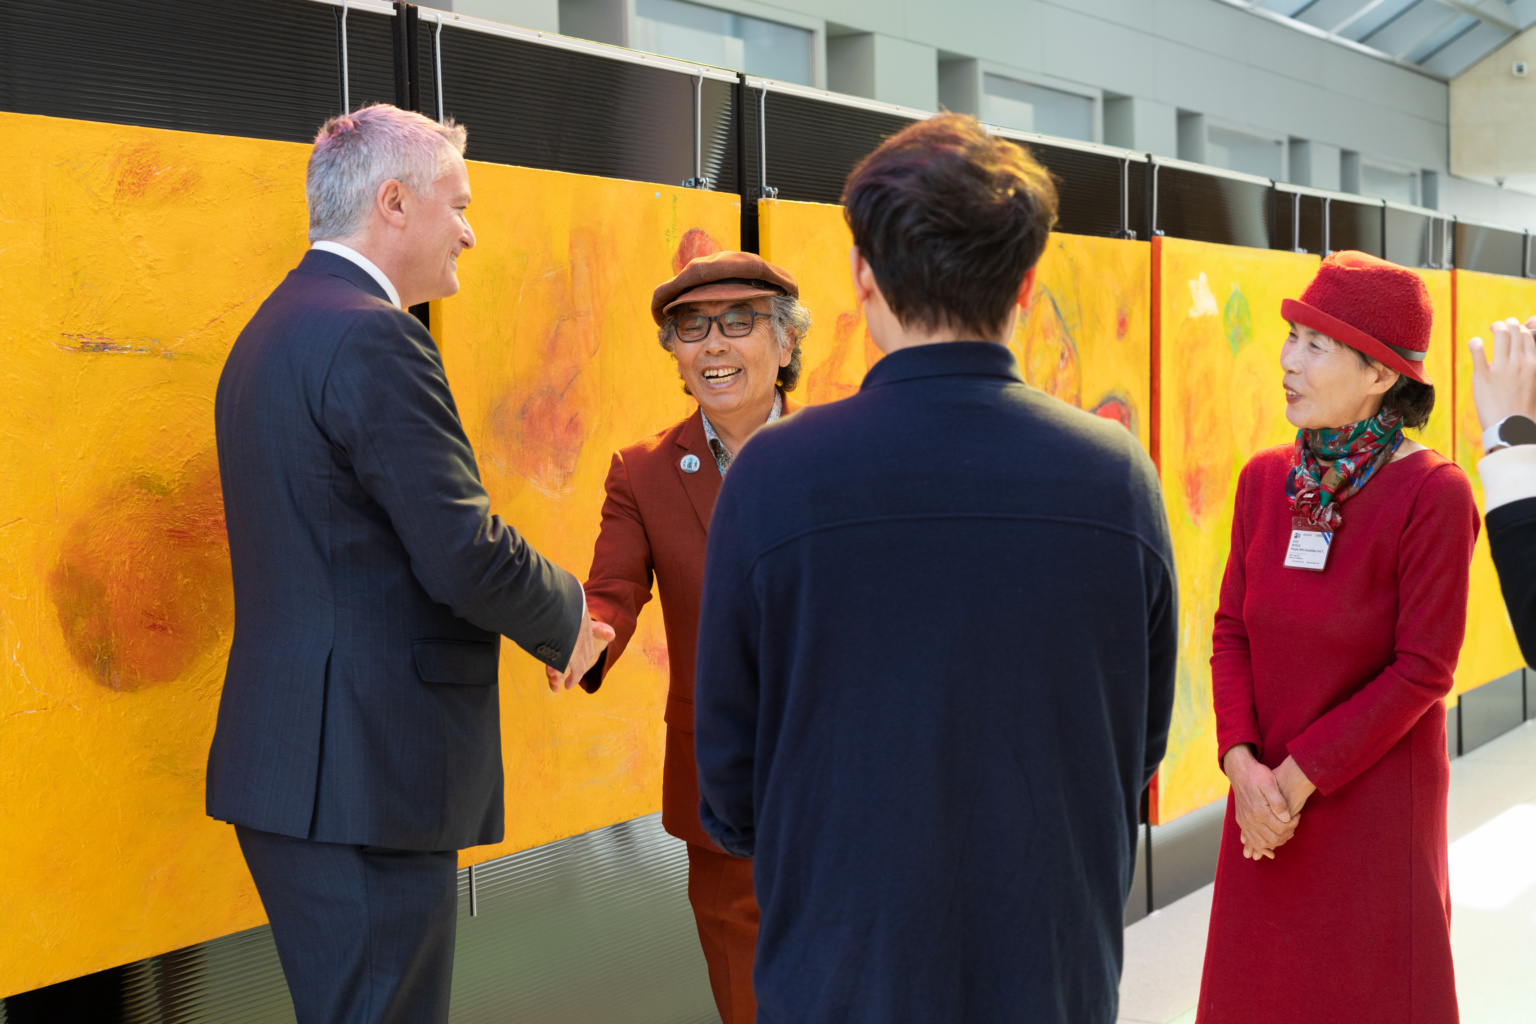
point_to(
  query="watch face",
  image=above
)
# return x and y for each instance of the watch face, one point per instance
(1518, 430)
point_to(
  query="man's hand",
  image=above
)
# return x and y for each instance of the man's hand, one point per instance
(1506, 386)
(1263, 815)
(592, 642)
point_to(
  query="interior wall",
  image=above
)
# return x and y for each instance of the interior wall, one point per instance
(543, 15)
(1154, 58)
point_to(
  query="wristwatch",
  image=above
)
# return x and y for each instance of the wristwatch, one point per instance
(1508, 432)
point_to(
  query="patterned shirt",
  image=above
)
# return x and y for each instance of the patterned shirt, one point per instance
(723, 455)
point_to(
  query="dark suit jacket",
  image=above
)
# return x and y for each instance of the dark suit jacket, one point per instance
(936, 668)
(371, 581)
(1512, 541)
(655, 526)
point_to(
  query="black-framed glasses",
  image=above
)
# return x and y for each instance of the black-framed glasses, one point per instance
(735, 323)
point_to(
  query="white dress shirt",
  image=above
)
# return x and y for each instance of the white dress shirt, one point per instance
(348, 253)
(1509, 475)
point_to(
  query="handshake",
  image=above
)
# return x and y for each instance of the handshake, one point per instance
(590, 645)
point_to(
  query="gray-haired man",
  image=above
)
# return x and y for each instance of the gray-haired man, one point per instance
(358, 744)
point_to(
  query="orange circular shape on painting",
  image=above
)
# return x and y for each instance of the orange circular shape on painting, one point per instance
(142, 584)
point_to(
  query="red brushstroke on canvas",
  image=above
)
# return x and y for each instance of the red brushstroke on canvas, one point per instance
(696, 242)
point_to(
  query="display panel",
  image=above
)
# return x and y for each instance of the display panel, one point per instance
(1085, 339)
(555, 365)
(811, 241)
(1087, 335)
(131, 258)
(1490, 650)
(1438, 433)
(1221, 400)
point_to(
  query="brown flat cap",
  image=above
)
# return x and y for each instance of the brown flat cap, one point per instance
(723, 275)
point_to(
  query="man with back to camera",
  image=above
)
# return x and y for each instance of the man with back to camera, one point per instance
(937, 645)
(358, 745)
(1504, 387)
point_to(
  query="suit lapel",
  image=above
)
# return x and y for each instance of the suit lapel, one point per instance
(702, 486)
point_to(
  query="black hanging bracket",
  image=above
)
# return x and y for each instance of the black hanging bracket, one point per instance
(1125, 200)
(407, 54)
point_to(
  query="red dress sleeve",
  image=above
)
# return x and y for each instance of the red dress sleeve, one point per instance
(1231, 660)
(1434, 563)
(619, 584)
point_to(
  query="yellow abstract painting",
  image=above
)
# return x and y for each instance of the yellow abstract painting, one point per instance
(1440, 431)
(1087, 335)
(555, 365)
(131, 259)
(1490, 650)
(811, 241)
(1085, 339)
(1221, 400)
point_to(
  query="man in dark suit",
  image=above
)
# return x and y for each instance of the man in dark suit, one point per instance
(358, 743)
(1505, 390)
(937, 644)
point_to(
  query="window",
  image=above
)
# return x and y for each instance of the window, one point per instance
(694, 32)
(1011, 103)
(1238, 151)
(1385, 183)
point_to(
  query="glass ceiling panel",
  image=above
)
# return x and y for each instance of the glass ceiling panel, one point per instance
(1443, 37)
(1411, 28)
(1285, 7)
(1378, 15)
(1329, 14)
(1437, 42)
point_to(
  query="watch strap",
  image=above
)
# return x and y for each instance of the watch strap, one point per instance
(1508, 432)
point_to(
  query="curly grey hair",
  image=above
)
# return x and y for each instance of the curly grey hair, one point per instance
(790, 321)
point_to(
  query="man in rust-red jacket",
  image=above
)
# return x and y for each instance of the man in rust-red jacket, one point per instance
(734, 324)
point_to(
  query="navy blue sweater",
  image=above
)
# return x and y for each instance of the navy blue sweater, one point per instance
(936, 666)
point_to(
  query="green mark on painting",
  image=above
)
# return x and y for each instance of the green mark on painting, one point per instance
(1237, 318)
(672, 230)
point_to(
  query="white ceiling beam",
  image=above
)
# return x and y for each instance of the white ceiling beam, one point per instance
(1494, 12)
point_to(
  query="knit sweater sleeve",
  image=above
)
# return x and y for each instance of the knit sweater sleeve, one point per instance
(1231, 658)
(1435, 557)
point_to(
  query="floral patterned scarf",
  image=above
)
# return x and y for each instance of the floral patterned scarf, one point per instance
(1357, 450)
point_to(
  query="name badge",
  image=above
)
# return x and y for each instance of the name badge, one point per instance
(1309, 547)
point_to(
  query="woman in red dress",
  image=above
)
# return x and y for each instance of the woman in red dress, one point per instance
(1341, 617)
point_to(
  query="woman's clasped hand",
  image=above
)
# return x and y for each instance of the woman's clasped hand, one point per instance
(1268, 802)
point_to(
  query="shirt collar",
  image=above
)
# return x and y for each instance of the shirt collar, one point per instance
(349, 253)
(945, 359)
(723, 455)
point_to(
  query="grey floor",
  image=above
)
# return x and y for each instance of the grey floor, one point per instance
(1493, 894)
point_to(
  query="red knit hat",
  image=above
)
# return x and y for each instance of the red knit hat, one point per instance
(1373, 306)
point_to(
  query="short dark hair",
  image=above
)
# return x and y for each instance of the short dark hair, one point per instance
(950, 219)
(1412, 400)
